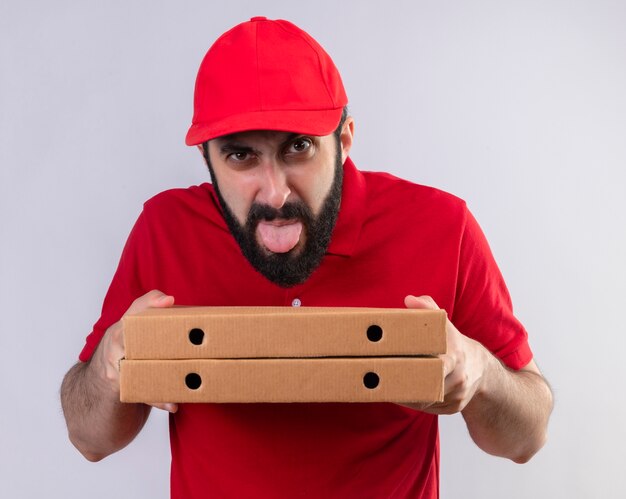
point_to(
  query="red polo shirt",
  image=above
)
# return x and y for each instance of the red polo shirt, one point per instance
(392, 238)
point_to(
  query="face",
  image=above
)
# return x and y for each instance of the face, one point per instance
(280, 193)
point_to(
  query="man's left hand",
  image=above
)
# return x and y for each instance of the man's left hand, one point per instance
(465, 364)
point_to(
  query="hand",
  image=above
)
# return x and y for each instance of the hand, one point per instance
(465, 364)
(110, 351)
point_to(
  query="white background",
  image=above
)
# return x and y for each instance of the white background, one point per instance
(519, 107)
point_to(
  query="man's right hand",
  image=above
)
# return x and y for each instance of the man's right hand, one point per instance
(110, 351)
(98, 423)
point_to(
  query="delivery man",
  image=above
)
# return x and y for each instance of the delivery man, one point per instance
(289, 220)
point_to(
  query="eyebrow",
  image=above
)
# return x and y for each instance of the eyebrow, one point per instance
(231, 144)
(230, 147)
(291, 137)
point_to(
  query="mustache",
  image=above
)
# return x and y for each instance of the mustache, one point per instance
(259, 212)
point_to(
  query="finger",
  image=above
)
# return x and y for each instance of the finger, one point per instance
(448, 368)
(112, 350)
(417, 406)
(165, 406)
(152, 299)
(426, 302)
(420, 302)
(442, 409)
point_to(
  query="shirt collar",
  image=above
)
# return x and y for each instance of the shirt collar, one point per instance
(351, 212)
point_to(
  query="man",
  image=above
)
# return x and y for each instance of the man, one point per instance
(289, 220)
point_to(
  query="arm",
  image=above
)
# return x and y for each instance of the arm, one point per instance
(506, 411)
(98, 423)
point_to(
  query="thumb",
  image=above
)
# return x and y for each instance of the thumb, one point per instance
(420, 302)
(166, 407)
(152, 299)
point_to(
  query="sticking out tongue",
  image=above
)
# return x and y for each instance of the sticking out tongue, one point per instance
(279, 236)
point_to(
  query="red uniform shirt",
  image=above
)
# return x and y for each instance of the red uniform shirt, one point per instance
(392, 238)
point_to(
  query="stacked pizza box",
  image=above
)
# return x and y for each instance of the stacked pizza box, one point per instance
(283, 354)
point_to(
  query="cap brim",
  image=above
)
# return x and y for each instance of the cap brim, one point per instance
(316, 122)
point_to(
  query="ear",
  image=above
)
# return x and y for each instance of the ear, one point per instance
(201, 149)
(346, 137)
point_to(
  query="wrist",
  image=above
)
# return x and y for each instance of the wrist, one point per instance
(102, 374)
(490, 371)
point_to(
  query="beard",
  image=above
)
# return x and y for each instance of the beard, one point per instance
(295, 266)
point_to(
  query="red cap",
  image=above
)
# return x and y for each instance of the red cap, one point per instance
(266, 75)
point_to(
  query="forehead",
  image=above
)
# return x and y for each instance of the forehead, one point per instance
(256, 136)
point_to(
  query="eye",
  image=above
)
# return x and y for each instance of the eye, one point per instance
(300, 145)
(240, 156)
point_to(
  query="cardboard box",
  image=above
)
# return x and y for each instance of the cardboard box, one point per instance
(261, 332)
(372, 379)
(283, 354)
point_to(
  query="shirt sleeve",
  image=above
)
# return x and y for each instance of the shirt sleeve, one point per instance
(483, 308)
(125, 287)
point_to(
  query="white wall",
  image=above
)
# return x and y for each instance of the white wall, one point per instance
(517, 106)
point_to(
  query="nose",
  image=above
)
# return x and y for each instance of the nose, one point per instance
(274, 189)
